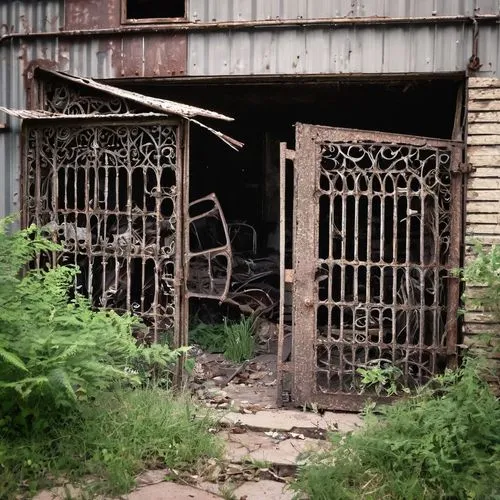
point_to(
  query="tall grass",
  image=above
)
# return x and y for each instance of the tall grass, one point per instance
(109, 442)
(240, 341)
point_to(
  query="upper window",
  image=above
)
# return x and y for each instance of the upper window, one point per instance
(153, 10)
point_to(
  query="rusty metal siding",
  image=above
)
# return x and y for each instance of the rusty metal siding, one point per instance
(92, 14)
(245, 10)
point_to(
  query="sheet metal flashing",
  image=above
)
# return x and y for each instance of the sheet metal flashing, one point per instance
(30, 114)
(164, 105)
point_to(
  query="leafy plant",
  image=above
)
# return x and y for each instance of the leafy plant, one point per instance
(442, 443)
(240, 341)
(234, 339)
(57, 350)
(484, 270)
(383, 377)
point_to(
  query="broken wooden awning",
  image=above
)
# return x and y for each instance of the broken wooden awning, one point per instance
(161, 108)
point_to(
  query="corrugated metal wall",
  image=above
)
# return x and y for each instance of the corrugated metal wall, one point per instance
(375, 49)
(251, 10)
(357, 50)
(18, 16)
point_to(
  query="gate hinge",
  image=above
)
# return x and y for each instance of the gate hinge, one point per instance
(463, 168)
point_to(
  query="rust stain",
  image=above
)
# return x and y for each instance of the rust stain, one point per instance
(92, 14)
(132, 57)
(165, 55)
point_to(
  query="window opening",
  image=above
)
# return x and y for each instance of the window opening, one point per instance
(152, 9)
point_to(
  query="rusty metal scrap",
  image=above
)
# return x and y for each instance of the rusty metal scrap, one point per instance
(209, 267)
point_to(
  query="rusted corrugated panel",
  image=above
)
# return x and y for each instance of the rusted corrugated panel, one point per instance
(165, 55)
(92, 14)
(483, 195)
(14, 57)
(152, 55)
(243, 10)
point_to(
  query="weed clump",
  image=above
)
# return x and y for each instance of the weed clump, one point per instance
(235, 339)
(442, 443)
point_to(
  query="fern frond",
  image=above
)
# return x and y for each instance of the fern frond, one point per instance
(11, 359)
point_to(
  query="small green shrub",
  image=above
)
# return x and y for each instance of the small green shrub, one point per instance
(383, 377)
(484, 270)
(240, 341)
(109, 442)
(442, 443)
(56, 350)
(210, 337)
(234, 339)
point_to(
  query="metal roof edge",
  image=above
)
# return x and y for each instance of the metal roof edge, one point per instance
(185, 110)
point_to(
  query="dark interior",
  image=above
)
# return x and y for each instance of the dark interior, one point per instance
(246, 182)
(152, 9)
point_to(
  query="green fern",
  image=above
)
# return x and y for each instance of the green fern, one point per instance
(12, 360)
(56, 350)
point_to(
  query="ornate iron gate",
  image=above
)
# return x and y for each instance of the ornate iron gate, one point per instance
(377, 233)
(109, 193)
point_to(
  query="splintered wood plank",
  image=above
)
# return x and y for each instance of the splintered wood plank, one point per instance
(477, 83)
(484, 195)
(485, 117)
(484, 129)
(481, 94)
(491, 239)
(486, 105)
(483, 183)
(480, 317)
(483, 229)
(491, 218)
(482, 207)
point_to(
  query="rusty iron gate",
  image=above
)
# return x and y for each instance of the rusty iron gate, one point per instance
(107, 188)
(377, 224)
(108, 193)
(105, 177)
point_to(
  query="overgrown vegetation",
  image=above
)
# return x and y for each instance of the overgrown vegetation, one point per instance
(484, 270)
(72, 396)
(441, 443)
(210, 337)
(383, 377)
(240, 342)
(235, 339)
(109, 442)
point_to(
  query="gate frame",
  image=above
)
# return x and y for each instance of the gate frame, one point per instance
(307, 153)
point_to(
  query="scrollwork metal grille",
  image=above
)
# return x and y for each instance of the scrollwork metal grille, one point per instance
(70, 100)
(109, 194)
(384, 236)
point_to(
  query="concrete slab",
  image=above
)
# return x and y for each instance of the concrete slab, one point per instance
(288, 420)
(59, 493)
(170, 491)
(271, 490)
(256, 446)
